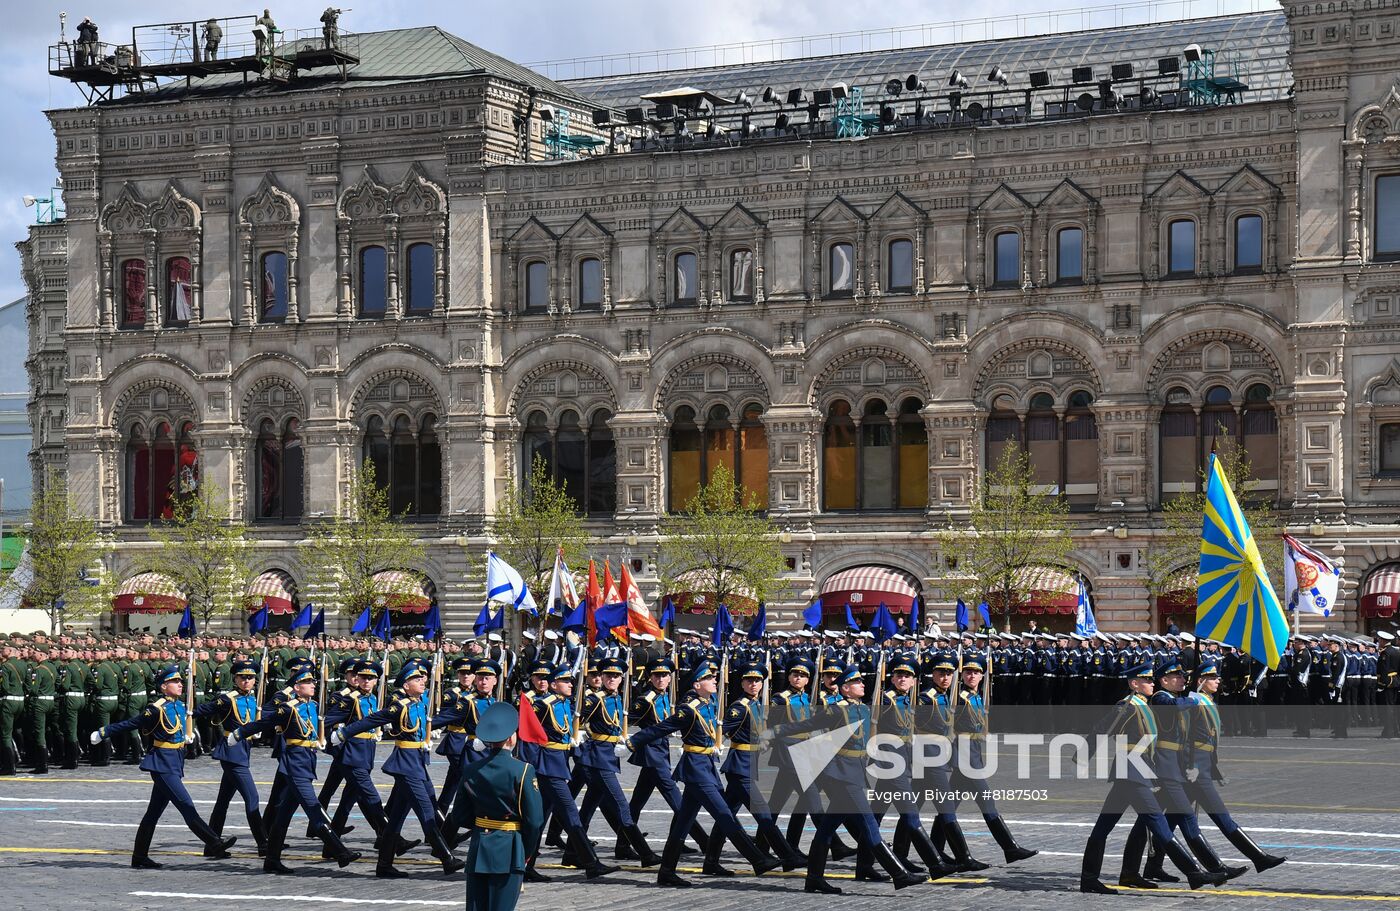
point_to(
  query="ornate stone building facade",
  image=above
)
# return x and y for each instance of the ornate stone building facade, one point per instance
(256, 288)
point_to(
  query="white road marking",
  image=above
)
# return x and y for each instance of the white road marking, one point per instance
(1087, 825)
(127, 825)
(332, 899)
(141, 800)
(1291, 861)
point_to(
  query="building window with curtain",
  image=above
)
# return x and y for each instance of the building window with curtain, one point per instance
(1080, 464)
(536, 285)
(178, 310)
(1387, 217)
(1249, 244)
(1003, 430)
(279, 478)
(162, 465)
(1181, 248)
(899, 274)
(1388, 439)
(1069, 256)
(686, 457)
(422, 279)
(911, 438)
(696, 452)
(839, 458)
(590, 284)
(133, 293)
(864, 466)
(582, 460)
(374, 283)
(1043, 444)
(1259, 436)
(1179, 430)
(684, 279)
(273, 295)
(407, 463)
(752, 473)
(1006, 260)
(1220, 429)
(741, 277)
(841, 270)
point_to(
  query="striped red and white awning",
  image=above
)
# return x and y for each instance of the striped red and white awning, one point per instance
(1380, 595)
(148, 593)
(275, 589)
(865, 588)
(403, 591)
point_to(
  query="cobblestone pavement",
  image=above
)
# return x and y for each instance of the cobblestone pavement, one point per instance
(65, 841)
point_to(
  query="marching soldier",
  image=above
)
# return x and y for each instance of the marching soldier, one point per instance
(70, 695)
(458, 716)
(936, 717)
(231, 711)
(604, 719)
(13, 674)
(132, 691)
(337, 705)
(164, 722)
(41, 688)
(499, 803)
(652, 706)
(104, 693)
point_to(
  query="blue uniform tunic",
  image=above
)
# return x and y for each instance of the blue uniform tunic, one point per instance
(230, 711)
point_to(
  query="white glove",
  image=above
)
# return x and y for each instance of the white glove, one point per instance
(232, 738)
(194, 737)
(96, 738)
(478, 745)
(766, 736)
(578, 739)
(1192, 775)
(620, 748)
(337, 737)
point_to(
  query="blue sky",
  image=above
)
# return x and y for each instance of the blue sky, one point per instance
(542, 30)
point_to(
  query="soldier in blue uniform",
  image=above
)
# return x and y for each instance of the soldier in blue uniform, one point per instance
(744, 722)
(298, 723)
(164, 722)
(1132, 717)
(282, 696)
(499, 805)
(230, 711)
(696, 719)
(457, 717)
(335, 777)
(406, 717)
(652, 705)
(604, 719)
(935, 717)
(556, 714)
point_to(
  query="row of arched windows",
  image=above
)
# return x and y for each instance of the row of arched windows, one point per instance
(684, 287)
(582, 459)
(407, 463)
(1190, 432)
(162, 464)
(173, 296)
(876, 459)
(702, 444)
(1063, 447)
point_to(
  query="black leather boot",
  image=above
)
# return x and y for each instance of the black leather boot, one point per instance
(70, 754)
(141, 851)
(816, 870)
(1195, 876)
(331, 843)
(1092, 867)
(1129, 874)
(670, 856)
(865, 866)
(761, 863)
(1155, 869)
(778, 845)
(957, 843)
(640, 848)
(255, 823)
(714, 849)
(1009, 848)
(839, 850)
(1246, 846)
(927, 852)
(582, 849)
(276, 838)
(901, 877)
(1209, 859)
(901, 847)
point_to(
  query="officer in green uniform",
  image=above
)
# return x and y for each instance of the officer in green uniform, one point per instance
(40, 688)
(104, 694)
(499, 806)
(134, 682)
(13, 672)
(69, 697)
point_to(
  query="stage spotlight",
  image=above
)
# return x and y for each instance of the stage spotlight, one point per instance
(998, 76)
(957, 80)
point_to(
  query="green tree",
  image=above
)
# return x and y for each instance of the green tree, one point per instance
(65, 551)
(205, 551)
(1012, 527)
(722, 544)
(344, 554)
(1174, 558)
(533, 522)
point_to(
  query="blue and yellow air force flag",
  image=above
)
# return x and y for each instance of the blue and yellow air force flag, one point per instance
(1235, 604)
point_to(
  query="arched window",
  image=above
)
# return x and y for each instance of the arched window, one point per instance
(1043, 443)
(1249, 243)
(1389, 461)
(1069, 256)
(1006, 259)
(583, 460)
(536, 286)
(719, 442)
(1180, 444)
(741, 274)
(876, 457)
(839, 458)
(1220, 429)
(422, 279)
(1259, 434)
(374, 282)
(1003, 429)
(1181, 247)
(590, 284)
(160, 467)
(841, 270)
(273, 296)
(133, 293)
(1387, 217)
(753, 457)
(911, 438)
(899, 276)
(1081, 453)
(687, 450)
(177, 291)
(280, 467)
(684, 280)
(407, 463)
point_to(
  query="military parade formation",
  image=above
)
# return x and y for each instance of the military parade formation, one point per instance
(159, 702)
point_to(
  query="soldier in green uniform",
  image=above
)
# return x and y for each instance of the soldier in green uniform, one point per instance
(13, 673)
(40, 688)
(134, 682)
(69, 696)
(499, 805)
(104, 693)
(204, 691)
